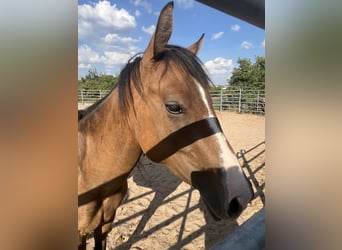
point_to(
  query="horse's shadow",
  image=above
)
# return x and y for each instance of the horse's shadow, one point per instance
(157, 177)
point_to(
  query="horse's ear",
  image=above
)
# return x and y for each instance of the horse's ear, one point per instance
(197, 45)
(162, 33)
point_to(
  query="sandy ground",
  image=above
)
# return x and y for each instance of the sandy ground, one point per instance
(162, 212)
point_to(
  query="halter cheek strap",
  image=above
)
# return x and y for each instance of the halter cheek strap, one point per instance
(184, 137)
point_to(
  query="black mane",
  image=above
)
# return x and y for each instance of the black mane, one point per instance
(183, 59)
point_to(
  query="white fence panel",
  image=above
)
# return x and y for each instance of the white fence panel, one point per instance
(239, 100)
(232, 99)
(91, 95)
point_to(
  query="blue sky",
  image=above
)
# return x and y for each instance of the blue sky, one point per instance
(110, 32)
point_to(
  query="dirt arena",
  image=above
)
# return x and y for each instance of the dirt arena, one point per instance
(162, 212)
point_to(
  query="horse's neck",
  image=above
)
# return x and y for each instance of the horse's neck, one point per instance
(110, 144)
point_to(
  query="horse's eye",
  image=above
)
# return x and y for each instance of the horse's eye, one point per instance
(174, 109)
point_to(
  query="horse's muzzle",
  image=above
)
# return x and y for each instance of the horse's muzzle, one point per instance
(225, 192)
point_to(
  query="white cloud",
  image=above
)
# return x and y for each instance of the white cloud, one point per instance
(137, 13)
(220, 69)
(149, 30)
(263, 43)
(217, 35)
(143, 3)
(185, 4)
(103, 17)
(87, 55)
(235, 27)
(115, 38)
(111, 58)
(84, 66)
(246, 45)
(104, 30)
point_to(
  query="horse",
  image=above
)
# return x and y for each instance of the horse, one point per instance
(160, 107)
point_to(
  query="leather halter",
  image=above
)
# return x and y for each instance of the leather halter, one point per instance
(184, 137)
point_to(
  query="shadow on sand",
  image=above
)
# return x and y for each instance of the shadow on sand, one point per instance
(163, 183)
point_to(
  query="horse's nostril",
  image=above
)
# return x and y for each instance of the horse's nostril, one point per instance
(235, 208)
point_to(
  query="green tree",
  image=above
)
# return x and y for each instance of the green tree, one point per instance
(95, 81)
(248, 74)
(259, 71)
(107, 81)
(216, 87)
(92, 75)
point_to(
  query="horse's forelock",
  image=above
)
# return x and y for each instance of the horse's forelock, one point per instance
(130, 73)
(187, 63)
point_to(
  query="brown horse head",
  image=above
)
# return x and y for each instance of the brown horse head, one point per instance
(174, 122)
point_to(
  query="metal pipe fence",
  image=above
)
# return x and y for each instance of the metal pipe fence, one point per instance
(239, 100)
(91, 95)
(232, 99)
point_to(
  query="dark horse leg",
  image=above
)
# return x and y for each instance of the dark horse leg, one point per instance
(101, 232)
(82, 242)
(100, 238)
(100, 235)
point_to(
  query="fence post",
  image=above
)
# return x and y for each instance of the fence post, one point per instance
(258, 101)
(221, 100)
(82, 96)
(240, 93)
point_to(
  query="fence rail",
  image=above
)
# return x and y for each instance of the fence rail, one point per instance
(233, 99)
(239, 100)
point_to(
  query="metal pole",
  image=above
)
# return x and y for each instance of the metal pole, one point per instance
(258, 101)
(82, 96)
(221, 100)
(240, 92)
